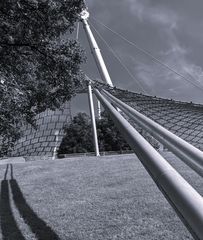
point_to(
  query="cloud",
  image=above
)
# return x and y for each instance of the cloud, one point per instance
(165, 83)
(155, 14)
(159, 27)
(155, 76)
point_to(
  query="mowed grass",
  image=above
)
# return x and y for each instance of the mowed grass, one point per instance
(110, 197)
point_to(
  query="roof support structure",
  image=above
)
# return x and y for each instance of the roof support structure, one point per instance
(92, 114)
(95, 49)
(185, 200)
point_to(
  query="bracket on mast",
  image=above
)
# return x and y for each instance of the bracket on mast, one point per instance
(84, 14)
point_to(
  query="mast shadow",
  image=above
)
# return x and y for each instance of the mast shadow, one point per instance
(39, 227)
(9, 227)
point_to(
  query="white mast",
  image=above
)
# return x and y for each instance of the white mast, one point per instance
(92, 114)
(102, 71)
(95, 49)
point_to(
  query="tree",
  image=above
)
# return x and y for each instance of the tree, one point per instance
(78, 136)
(109, 137)
(39, 64)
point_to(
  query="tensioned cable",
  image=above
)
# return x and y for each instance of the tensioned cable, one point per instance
(118, 58)
(150, 55)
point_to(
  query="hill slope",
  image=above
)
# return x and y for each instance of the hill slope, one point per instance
(88, 198)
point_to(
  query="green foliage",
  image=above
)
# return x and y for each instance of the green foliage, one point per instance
(39, 64)
(78, 138)
(109, 137)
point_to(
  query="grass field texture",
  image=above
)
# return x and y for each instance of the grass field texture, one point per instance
(98, 198)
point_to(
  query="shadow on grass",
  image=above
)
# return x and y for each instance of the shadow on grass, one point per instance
(9, 225)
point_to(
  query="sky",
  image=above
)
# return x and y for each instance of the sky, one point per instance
(169, 30)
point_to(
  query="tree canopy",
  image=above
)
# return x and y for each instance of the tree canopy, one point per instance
(78, 136)
(39, 64)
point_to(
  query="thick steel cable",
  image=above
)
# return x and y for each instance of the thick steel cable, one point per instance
(192, 156)
(185, 200)
(155, 59)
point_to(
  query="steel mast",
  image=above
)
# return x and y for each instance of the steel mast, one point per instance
(95, 49)
(92, 114)
(102, 71)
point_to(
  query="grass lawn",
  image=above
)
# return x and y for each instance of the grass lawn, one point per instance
(93, 198)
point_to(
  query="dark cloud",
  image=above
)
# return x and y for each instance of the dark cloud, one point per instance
(170, 30)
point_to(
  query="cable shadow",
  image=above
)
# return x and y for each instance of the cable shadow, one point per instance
(39, 227)
(9, 227)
